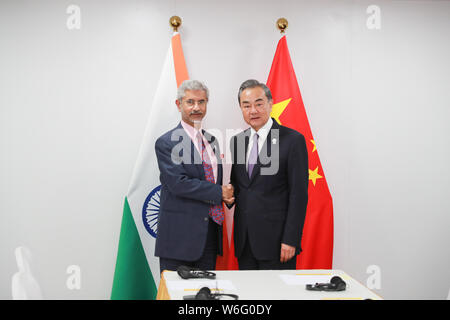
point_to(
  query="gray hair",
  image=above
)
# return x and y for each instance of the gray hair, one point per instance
(191, 85)
(253, 84)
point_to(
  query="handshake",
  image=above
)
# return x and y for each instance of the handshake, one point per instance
(228, 194)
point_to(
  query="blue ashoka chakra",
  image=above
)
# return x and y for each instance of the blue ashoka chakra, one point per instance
(150, 211)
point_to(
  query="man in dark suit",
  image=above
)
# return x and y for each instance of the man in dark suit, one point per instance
(270, 179)
(191, 212)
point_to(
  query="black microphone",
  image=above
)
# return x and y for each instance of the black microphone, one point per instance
(336, 284)
(194, 273)
(205, 294)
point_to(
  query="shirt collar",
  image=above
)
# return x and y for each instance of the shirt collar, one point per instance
(263, 131)
(191, 131)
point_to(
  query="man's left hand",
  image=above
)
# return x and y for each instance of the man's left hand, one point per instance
(287, 252)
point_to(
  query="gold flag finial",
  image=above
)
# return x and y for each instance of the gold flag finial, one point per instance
(175, 22)
(282, 25)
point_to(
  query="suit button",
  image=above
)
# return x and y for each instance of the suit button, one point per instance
(206, 219)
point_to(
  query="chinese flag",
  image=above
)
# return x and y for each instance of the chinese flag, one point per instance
(289, 111)
(227, 261)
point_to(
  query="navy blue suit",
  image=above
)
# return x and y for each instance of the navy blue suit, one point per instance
(186, 197)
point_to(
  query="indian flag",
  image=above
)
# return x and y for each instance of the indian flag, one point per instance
(137, 269)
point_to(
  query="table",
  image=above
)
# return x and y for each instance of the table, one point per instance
(265, 285)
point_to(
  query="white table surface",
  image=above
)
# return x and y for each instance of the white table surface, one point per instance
(268, 285)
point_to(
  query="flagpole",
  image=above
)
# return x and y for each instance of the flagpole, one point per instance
(282, 25)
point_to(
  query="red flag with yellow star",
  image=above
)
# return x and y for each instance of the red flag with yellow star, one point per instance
(289, 111)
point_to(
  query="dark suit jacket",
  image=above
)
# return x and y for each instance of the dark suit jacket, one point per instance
(186, 196)
(270, 206)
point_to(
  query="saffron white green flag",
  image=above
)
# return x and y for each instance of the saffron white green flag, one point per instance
(137, 269)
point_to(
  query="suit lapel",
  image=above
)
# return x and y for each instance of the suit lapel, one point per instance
(213, 143)
(188, 146)
(216, 150)
(244, 161)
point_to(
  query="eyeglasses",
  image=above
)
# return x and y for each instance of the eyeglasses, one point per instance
(191, 102)
(258, 105)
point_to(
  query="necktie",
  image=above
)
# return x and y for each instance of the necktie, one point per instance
(252, 159)
(215, 211)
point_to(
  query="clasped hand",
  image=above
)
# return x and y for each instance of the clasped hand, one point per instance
(228, 194)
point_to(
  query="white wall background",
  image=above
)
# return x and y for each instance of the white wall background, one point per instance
(73, 107)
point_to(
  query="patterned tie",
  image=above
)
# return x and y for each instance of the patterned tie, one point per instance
(216, 211)
(252, 159)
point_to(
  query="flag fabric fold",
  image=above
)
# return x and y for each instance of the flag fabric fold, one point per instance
(288, 110)
(227, 261)
(136, 274)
